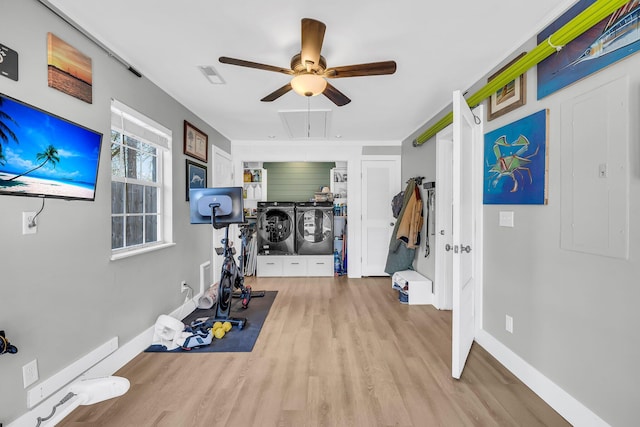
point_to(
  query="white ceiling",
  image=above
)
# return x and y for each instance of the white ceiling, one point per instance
(438, 46)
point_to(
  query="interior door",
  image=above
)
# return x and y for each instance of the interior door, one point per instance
(222, 177)
(467, 137)
(443, 291)
(380, 182)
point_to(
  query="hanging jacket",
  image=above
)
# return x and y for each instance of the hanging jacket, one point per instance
(411, 221)
(400, 257)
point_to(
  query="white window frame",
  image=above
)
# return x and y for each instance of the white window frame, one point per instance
(127, 121)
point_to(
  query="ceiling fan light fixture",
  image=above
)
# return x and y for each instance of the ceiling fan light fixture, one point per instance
(308, 84)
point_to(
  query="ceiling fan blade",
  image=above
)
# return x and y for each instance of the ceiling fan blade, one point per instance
(336, 96)
(277, 93)
(312, 38)
(249, 64)
(371, 69)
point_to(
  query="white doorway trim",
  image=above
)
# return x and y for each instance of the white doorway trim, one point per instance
(313, 151)
(221, 159)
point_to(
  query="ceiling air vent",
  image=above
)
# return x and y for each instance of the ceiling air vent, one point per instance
(306, 124)
(211, 74)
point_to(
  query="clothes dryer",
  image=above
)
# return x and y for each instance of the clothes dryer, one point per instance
(314, 228)
(275, 228)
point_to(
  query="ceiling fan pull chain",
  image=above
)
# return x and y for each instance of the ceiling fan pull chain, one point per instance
(308, 117)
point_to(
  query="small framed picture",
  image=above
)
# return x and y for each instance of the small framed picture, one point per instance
(510, 96)
(196, 176)
(8, 62)
(196, 142)
(69, 70)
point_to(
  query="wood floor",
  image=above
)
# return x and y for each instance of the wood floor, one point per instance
(332, 352)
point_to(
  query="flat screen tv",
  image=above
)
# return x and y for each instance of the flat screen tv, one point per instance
(227, 200)
(43, 155)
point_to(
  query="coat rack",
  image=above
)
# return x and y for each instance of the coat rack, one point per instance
(417, 179)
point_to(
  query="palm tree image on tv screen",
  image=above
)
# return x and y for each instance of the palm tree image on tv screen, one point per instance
(44, 155)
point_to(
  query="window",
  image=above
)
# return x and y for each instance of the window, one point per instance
(140, 182)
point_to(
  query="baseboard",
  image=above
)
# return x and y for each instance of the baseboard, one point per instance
(107, 366)
(566, 405)
(46, 388)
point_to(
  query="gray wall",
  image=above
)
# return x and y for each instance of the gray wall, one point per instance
(381, 150)
(575, 315)
(421, 161)
(60, 295)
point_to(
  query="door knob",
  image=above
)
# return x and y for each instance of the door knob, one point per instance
(442, 232)
(447, 247)
(466, 249)
(391, 224)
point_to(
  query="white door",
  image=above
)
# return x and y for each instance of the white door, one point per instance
(467, 139)
(222, 177)
(380, 182)
(443, 290)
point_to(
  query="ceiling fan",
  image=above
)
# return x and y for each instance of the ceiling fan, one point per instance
(309, 68)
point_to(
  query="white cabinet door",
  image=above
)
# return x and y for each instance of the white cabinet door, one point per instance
(294, 266)
(380, 182)
(269, 266)
(321, 265)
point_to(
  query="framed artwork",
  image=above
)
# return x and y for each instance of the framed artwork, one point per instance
(8, 62)
(607, 42)
(516, 162)
(69, 69)
(196, 176)
(196, 142)
(510, 96)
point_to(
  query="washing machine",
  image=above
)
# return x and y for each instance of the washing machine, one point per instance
(314, 228)
(275, 228)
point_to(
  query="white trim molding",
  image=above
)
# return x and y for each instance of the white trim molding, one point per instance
(566, 405)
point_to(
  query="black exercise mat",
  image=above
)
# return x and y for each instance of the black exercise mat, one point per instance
(236, 340)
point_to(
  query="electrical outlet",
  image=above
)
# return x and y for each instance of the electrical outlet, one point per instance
(183, 286)
(27, 217)
(509, 323)
(30, 373)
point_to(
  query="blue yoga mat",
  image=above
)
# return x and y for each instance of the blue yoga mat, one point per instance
(236, 340)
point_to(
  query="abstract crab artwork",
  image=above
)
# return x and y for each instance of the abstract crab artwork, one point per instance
(516, 162)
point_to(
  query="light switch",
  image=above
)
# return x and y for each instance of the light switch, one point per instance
(602, 170)
(506, 218)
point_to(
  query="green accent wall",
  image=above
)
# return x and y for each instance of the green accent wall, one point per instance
(296, 181)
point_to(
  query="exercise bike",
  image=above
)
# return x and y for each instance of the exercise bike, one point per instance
(221, 207)
(231, 278)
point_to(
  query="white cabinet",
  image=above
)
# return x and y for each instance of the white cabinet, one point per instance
(415, 286)
(295, 265)
(270, 266)
(319, 265)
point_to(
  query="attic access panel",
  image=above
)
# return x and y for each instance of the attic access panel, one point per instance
(306, 124)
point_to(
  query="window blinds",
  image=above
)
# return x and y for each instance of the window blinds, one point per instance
(138, 125)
